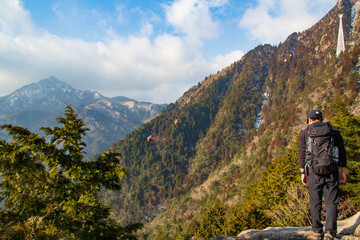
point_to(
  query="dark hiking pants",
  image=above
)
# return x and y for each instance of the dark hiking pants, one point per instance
(327, 186)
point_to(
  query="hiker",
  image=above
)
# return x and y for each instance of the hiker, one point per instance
(321, 153)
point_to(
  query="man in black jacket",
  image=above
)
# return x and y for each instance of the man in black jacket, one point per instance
(320, 184)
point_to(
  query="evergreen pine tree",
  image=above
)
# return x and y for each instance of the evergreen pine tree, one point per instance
(349, 126)
(50, 191)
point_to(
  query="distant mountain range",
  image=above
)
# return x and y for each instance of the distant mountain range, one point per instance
(109, 119)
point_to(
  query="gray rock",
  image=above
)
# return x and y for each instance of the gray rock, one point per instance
(348, 229)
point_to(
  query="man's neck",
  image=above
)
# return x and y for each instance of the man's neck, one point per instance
(313, 121)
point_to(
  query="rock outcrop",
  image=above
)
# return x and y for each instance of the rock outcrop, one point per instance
(348, 229)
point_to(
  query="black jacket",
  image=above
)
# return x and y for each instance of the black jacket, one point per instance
(338, 142)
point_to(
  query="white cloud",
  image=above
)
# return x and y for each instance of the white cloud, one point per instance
(193, 18)
(14, 19)
(158, 70)
(220, 61)
(119, 13)
(144, 66)
(271, 21)
(147, 29)
(217, 3)
(119, 67)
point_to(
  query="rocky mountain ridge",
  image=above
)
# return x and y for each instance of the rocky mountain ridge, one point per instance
(46, 95)
(109, 119)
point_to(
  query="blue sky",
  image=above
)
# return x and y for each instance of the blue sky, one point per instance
(149, 50)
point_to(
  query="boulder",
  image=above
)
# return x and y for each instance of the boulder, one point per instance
(348, 229)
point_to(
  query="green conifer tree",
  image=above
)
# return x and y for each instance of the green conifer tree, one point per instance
(349, 126)
(50, 191)
(212, 221)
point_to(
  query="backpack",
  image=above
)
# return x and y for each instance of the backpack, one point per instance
(321, 153)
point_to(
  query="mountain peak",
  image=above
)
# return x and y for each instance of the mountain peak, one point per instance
(47, 95)
(50, 79)
(53, 82)
(39, 104)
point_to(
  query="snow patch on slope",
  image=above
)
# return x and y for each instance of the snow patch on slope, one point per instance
(259, 118)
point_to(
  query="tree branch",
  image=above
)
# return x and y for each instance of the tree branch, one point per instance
(43, 180)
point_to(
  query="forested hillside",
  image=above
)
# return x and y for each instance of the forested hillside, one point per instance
(235, 141)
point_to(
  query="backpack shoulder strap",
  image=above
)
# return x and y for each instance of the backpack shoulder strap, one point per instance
(308, 157)
(309, 140)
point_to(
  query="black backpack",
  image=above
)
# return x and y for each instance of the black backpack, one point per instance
(321, 153)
